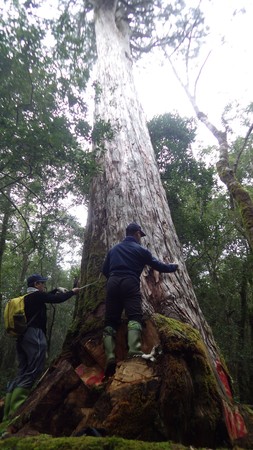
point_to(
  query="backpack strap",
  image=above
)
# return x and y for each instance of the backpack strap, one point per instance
(32, 319)
(35, 315)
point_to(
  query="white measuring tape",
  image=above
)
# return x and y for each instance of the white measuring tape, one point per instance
(89, 284)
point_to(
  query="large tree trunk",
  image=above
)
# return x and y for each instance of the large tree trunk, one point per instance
(129, 187)
(185, 394)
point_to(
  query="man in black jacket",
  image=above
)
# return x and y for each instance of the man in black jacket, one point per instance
(122, 267)
(31, 347)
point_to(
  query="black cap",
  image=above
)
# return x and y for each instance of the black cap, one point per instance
(35, 277)
(133, 228)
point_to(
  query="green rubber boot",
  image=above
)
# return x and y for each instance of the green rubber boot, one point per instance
(19, 395)
(109, 346)
(134, 338)
(7, 404)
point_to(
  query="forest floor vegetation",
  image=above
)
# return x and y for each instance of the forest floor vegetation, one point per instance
(89, 443)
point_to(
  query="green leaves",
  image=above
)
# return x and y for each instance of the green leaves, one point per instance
(43, 138)
(188, 183)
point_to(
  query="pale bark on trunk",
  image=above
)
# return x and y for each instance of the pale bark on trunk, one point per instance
(129, 187)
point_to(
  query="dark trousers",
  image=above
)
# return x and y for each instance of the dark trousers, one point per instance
(31, 352)
(123, 293)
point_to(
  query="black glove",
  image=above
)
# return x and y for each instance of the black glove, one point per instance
(173, 267)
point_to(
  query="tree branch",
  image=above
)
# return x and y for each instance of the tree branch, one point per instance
(26, 106)
(243, 147)
(200, 71)
(220, 136)
(18, 181)
(24, 219)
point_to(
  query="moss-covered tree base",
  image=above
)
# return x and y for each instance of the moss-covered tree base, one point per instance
(177, 397)
(87, 443)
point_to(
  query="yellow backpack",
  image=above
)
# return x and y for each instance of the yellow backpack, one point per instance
(14, 317)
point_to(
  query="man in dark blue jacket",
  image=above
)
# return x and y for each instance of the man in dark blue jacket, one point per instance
(123, 266)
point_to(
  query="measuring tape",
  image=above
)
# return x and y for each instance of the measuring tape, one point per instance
(89, 284)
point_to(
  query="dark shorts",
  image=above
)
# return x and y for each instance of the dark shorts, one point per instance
(123, 293)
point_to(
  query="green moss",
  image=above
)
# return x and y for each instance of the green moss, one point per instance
(240, 195)
(177, 334)
(190, 389)
(94, 296)
(88, 443)
(248, 409)
(91, 325)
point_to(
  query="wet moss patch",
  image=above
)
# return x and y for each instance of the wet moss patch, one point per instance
(88, 443)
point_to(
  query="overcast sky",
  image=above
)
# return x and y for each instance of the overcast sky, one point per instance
(228, 73)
